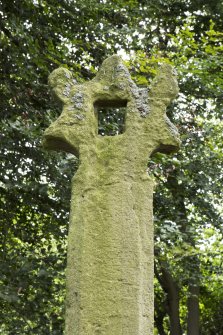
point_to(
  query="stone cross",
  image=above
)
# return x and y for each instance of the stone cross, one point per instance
(110, 242)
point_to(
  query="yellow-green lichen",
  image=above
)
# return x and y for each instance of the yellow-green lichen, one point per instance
(110, 244)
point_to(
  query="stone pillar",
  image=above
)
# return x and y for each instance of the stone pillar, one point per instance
(110, 242)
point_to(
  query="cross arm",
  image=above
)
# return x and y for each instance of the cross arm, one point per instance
(72, 126)
(163, 91)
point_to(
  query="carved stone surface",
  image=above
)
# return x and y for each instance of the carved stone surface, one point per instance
(110, 242)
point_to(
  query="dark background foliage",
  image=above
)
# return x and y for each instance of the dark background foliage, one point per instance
(36, 37)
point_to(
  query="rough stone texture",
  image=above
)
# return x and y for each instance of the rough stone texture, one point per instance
(110, 243)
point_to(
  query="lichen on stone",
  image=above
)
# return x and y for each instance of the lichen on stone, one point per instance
(110, 242)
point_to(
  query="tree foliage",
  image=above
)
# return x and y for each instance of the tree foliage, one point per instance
(36, 37)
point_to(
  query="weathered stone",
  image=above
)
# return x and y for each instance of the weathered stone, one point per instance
(110, 243)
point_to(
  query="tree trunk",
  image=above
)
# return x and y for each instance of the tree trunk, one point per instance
(193, 310)
(160, 313)
(170, 286)
(173, 306)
